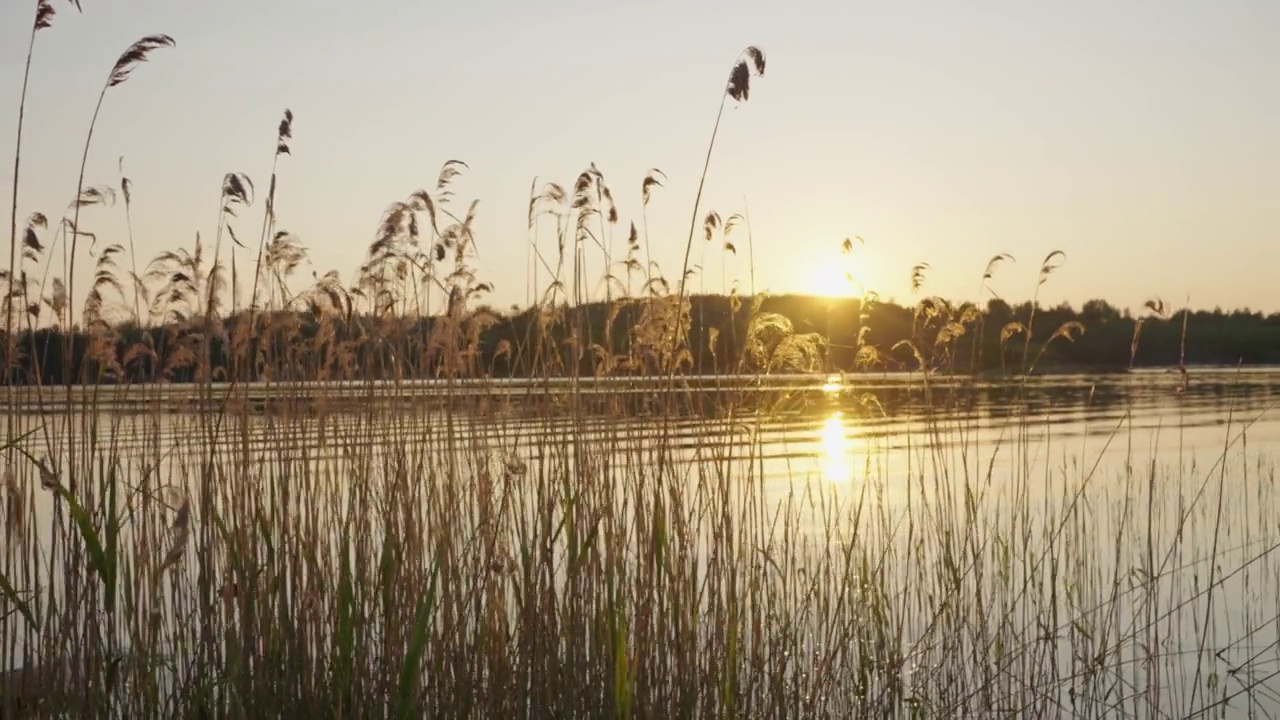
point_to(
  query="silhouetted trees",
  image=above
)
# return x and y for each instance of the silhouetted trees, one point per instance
(790, 333)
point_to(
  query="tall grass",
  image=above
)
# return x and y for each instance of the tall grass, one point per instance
(517, 561)
(13, 277)
(473, 548)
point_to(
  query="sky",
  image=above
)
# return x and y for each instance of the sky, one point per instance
(1141, 138)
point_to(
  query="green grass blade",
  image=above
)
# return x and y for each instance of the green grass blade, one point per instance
(104, 566)
(417, 647)
(113, 539)
(344, 634)
(13, 443)
(12, 596)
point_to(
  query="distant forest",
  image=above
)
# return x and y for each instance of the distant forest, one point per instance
(722, 334)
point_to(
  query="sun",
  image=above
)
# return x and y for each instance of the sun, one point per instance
(834, 280)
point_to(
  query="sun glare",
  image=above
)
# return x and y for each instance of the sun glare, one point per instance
(837, 451)
(835, 281)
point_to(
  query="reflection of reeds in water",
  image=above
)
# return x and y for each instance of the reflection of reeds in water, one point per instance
(462, 560)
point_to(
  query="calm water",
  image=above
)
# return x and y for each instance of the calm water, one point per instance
(801, 431)
(806, 427)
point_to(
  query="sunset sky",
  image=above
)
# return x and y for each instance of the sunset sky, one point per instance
(1140, 138)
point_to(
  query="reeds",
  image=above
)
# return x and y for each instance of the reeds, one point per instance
(738, 88)
(385, 556)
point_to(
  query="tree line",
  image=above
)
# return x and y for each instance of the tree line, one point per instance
(704, 334)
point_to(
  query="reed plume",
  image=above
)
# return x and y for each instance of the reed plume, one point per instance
(284, 134)
(1051, 262)
(652, 179)
(990, 271)
(237, 191)
(32, 248)
(918, 276)
(126, 190)
(133, 56)
(43, 19)
(738, 88)
(281, 258)
(105, 280)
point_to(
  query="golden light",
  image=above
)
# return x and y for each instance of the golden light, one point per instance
(834, 280)
(837, 450)
(832, 386)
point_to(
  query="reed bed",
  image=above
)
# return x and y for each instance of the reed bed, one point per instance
(557, 551)
(442, 563)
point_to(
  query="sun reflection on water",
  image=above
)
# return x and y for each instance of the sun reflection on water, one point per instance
(837, 450)
(833, 386)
